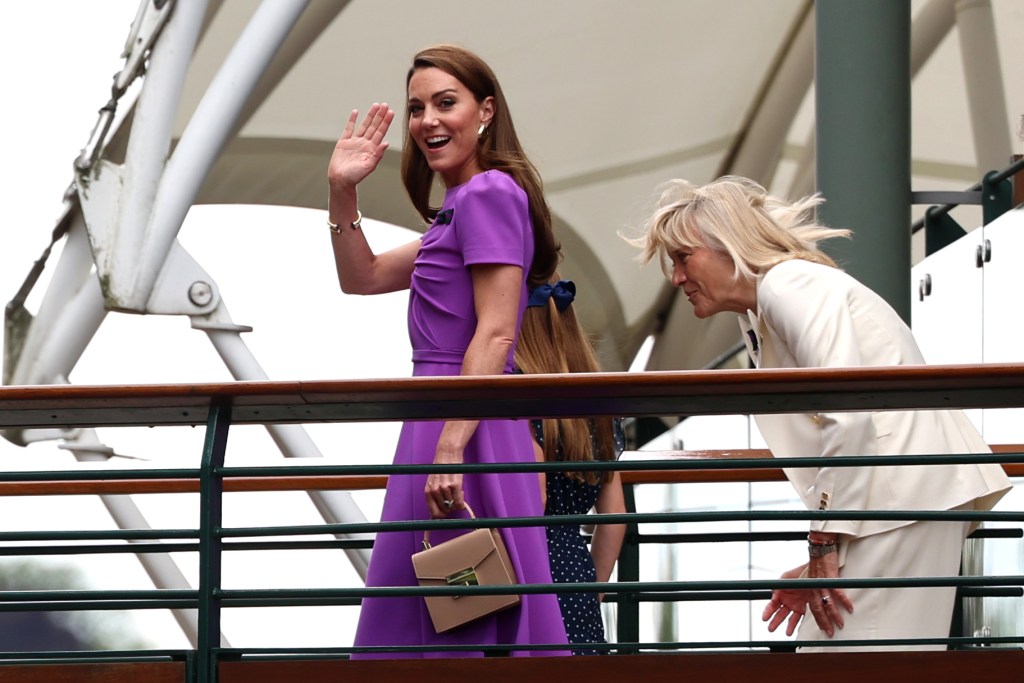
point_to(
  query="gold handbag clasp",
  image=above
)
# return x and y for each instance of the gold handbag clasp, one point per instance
(465, 577)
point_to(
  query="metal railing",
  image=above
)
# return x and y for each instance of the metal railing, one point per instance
(994, 193)
(221, 405)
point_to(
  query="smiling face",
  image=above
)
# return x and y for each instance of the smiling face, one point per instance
(708, 278)
(444, 120)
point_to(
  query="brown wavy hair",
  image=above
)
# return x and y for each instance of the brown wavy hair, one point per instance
(553, 341)
(499, 149)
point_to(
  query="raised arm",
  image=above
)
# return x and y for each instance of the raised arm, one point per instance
(496, 290)
(356, 155)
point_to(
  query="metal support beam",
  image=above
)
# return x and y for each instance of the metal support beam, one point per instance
(930, 27)
(336, 507)
(862, 77)
(983, 77)
(760, 145)
(209, 130)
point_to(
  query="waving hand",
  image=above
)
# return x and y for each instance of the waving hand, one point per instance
(361, 147)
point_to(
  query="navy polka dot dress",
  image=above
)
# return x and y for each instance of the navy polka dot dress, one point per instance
(570, 557)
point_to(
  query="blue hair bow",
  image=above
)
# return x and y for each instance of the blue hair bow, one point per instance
(563, 292)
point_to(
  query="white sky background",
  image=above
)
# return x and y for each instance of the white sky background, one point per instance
(275, 273)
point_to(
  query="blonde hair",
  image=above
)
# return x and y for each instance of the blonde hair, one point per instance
(735, 216)
(553, 341)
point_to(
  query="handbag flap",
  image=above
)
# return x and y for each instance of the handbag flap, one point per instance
(454, 556)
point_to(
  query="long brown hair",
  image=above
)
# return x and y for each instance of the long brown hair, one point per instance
(499, 149)
(553, 341)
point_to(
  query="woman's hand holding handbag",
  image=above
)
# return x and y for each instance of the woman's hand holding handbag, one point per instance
(477, 558)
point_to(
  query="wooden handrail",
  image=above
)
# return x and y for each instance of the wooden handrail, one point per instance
(714, 392)
(620, 394)
(101, 672)
(977, 666)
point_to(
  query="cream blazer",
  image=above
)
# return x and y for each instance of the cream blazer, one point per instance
(810, 315)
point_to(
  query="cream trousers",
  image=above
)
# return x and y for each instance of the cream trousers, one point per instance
(917, 550)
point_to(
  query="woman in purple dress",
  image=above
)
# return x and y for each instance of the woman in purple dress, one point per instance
(468, 279)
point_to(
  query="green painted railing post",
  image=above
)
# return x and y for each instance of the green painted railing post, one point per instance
(211, 508)
(996, 196)
(629, 570)
(862, 103)
(940, 230)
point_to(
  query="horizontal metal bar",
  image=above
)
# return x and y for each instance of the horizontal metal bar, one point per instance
(752, 595)
(41, 550)
(465, 523)
(105, 656)
(100, 605)
(668, 464)
(1013, 169)
(769, 536)
(333, 544)
(101, 534)
(98, 475)
(993, 179)
(741, 646)
(689, 596)
(17, 601)
(979, 592)
(946, 197)
(97, 595)
(630, 465)
(336, 544)
(626, 518)
(285, 596)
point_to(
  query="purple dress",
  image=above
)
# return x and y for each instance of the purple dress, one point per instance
(483, 221)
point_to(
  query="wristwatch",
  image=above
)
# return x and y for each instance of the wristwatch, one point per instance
(822, 549)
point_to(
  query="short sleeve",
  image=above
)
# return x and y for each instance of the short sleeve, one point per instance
(492, 221)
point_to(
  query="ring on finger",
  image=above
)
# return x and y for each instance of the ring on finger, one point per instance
(825, 600)
(448, 504)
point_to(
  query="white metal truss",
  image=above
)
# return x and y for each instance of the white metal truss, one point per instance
(121, 222)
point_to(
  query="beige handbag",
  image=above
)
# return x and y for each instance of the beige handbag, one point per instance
(477, 558)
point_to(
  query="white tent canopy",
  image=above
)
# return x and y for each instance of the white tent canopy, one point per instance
(610, 99)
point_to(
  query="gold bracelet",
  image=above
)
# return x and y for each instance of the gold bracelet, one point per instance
(355, 225)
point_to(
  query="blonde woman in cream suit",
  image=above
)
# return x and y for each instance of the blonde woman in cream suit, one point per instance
(732, 247)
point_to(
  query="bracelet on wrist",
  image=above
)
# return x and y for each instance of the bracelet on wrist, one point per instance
(821, 548)
(355, 225)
